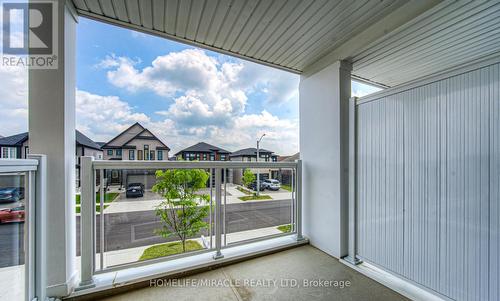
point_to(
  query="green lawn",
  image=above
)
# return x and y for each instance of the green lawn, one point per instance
(108, 197)
(168, 249)
(245, 191)
(254, 197)
(285, 228)
(286, 187)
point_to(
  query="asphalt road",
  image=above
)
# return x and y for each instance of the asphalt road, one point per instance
(135, 229)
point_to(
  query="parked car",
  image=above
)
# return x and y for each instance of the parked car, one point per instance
(11, 194)
(253, 186)
(271, 184)
(135, 190)
(13, 215)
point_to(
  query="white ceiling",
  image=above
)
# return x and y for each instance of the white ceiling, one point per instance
(287, 33)
(296, 34)
(448, 35)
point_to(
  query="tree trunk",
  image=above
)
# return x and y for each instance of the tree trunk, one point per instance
(184, 245)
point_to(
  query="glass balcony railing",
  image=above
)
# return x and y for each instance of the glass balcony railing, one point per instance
(142, 212)
(17, 214)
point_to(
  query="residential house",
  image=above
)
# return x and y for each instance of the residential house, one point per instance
(203, 152)
(134, 143)
(285, 175)
(249, 155)
(17, 147)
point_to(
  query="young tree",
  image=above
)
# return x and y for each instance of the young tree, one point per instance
(183, 211)
(248, 177)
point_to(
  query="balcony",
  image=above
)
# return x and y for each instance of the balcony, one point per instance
(400, 185)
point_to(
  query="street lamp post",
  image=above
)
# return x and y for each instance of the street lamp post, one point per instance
(258, 171)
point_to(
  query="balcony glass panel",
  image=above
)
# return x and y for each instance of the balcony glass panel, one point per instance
(153, 214)
(12, 235)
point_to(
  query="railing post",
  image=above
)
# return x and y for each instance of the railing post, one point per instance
(102, 193)
(351, 255)
(87, 222)
(218, 214)
(299, 200)
(38, 205)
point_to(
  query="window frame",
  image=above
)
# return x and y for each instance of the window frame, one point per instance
(10, 151)
(146, 152)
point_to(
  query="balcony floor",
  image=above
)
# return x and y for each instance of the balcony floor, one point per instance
(300, 263)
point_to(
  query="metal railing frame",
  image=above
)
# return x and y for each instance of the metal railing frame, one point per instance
(89, 167)
(34, 169)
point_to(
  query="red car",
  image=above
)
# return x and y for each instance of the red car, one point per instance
(12, 215)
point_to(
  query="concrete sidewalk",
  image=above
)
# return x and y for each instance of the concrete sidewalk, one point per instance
(130, 255)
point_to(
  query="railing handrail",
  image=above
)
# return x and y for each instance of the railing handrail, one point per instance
(136, 164)
(18, 165)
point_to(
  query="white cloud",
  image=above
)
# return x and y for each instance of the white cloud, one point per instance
(201, 85)
(359, 89)
(102, 117)
(14, 100)
(208, 100)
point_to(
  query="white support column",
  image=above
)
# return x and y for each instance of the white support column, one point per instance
(324, 137)
(52, 133)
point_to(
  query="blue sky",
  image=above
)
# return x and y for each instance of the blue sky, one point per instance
(119, 63)
(182, 93)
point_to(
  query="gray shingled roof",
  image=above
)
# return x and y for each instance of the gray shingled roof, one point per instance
(251, 151)
(14, 140)
(203, 147)
(291, 158)
(86, 141)
(17, 140)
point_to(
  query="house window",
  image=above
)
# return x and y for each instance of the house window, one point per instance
(139, 154)
(9, 152)
(131, 154)
(118, 152)
(160, 155)
(110, 152)
(152, 155)
(204, 157)
(26, 151)
(275, 159)
(212, 157)
(223, 157)
(146, 152)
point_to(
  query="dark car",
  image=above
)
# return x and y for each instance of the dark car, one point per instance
(253, 186)
(135, 190)
(11, 194)
(13, 215)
